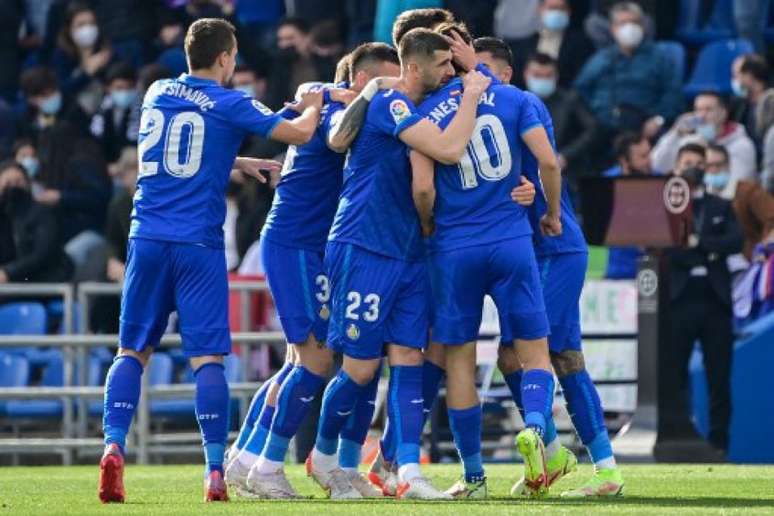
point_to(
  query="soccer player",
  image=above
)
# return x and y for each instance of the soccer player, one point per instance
(293, 244)
(190, 131)
(562, 264)
(481, 244)
(374, 256)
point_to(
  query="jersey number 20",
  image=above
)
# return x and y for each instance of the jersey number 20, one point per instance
(488, 154)
(188, 125)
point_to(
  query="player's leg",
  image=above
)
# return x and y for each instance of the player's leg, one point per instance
(201, 297)
(145, 308)
(519, 300)
(562, 278)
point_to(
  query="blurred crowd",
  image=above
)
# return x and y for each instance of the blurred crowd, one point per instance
(615, 77)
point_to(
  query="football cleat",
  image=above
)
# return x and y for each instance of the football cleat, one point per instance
(560, 465)
(335, 483)
(379, 472)
(111, 475)
(273, 486)
(530, 446)
(476, 490)
(236, 477)
(215, 487)
(362, 485)
(605, 482)
(420, 489)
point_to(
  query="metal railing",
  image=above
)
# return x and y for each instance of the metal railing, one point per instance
(75, 352)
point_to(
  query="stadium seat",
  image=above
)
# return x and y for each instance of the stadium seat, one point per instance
(26, 318)
(14, 372)
(719, 25)
(712, 71)
(53, 376)
(675, 51)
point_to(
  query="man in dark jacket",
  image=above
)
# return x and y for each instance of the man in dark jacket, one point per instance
(700, 309)
(30, 246)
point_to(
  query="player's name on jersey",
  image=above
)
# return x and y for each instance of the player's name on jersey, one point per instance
(450, 106)
(182, 91)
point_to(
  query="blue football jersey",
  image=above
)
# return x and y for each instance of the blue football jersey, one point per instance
(571, 240)
(473, 205)
(190, 133)
(307, 194)
(376, 210)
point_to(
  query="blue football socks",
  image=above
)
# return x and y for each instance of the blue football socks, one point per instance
(122, 393)
(466, 429)
(212, 407)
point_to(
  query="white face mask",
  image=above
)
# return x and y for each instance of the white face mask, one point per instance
(629, 35)
(86, 35)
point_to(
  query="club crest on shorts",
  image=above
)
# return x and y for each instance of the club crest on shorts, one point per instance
(353, 332)
(399, 110)
(324, 313)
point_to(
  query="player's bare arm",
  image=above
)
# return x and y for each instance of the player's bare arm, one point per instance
(524, 194)
(345, 129)
(550, 175)
(447, 146)
(423, 190)
(300, 130)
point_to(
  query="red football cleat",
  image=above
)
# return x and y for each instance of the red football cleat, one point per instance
(215, 487)
(111, 475)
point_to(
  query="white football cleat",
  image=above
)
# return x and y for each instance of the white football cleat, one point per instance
(236, 476)
(335, 483)
(420, 488)
(363, 486)
(274, 486)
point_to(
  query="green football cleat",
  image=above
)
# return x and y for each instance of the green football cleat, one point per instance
(559, 466)
(605, 482)
(476, 490)
(530, 446)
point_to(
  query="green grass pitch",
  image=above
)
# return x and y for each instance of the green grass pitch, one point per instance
(151, 490)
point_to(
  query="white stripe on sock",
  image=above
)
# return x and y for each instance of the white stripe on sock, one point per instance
(608, 463)
(324, 462)
(247, 458)
(267, 466)
(409, 472)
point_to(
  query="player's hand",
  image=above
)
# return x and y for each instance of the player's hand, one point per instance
(524, 194)
(475, 83)
(342, 95)
(308, 99)
(254, 166)
(463, 53)
(550, 225)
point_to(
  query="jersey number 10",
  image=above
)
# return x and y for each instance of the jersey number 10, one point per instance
(176, 163)
(477, 161)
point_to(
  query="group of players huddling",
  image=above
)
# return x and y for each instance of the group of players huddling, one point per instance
(416, 183)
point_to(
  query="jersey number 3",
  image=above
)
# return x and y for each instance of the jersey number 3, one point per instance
(488, 154)
(179, 160)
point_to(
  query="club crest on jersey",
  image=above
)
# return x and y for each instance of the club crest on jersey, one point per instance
(399, 110)
(353, 332)
(261, 108)
(324, 312)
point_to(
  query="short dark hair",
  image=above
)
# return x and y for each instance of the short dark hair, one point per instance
(206, 39)
(418, 18)
(721, 149)
(299, 23)
(722, 101)
(369, 54)
(448, 28)
(542, 59)
(121, 71)
(695, 148)
(38, 80)
(421, 42)
(756, 66)
(495, 46)
(624, 142)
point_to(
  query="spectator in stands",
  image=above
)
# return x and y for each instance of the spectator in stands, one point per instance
(748, 15)
(82, 56)
(764, 127)
(119, 212)
(25, 154)
(30, 247)
(700, 309)
(574, 125)
(293, 64)
(130, 26)
(117, 122)
(709, 123)
(750, 78)
(326, 46)
(631, 84)
(632, 151)
(568, 46)
(690, 156)
(597, 23)
(514, 28)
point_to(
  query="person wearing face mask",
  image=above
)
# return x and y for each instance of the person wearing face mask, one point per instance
(567, 45)
(749, 80)
(30, 247)
(631, 84)
(116, 123)
(708, 123)
(294, 63)
(81, 56)
(700, 307)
